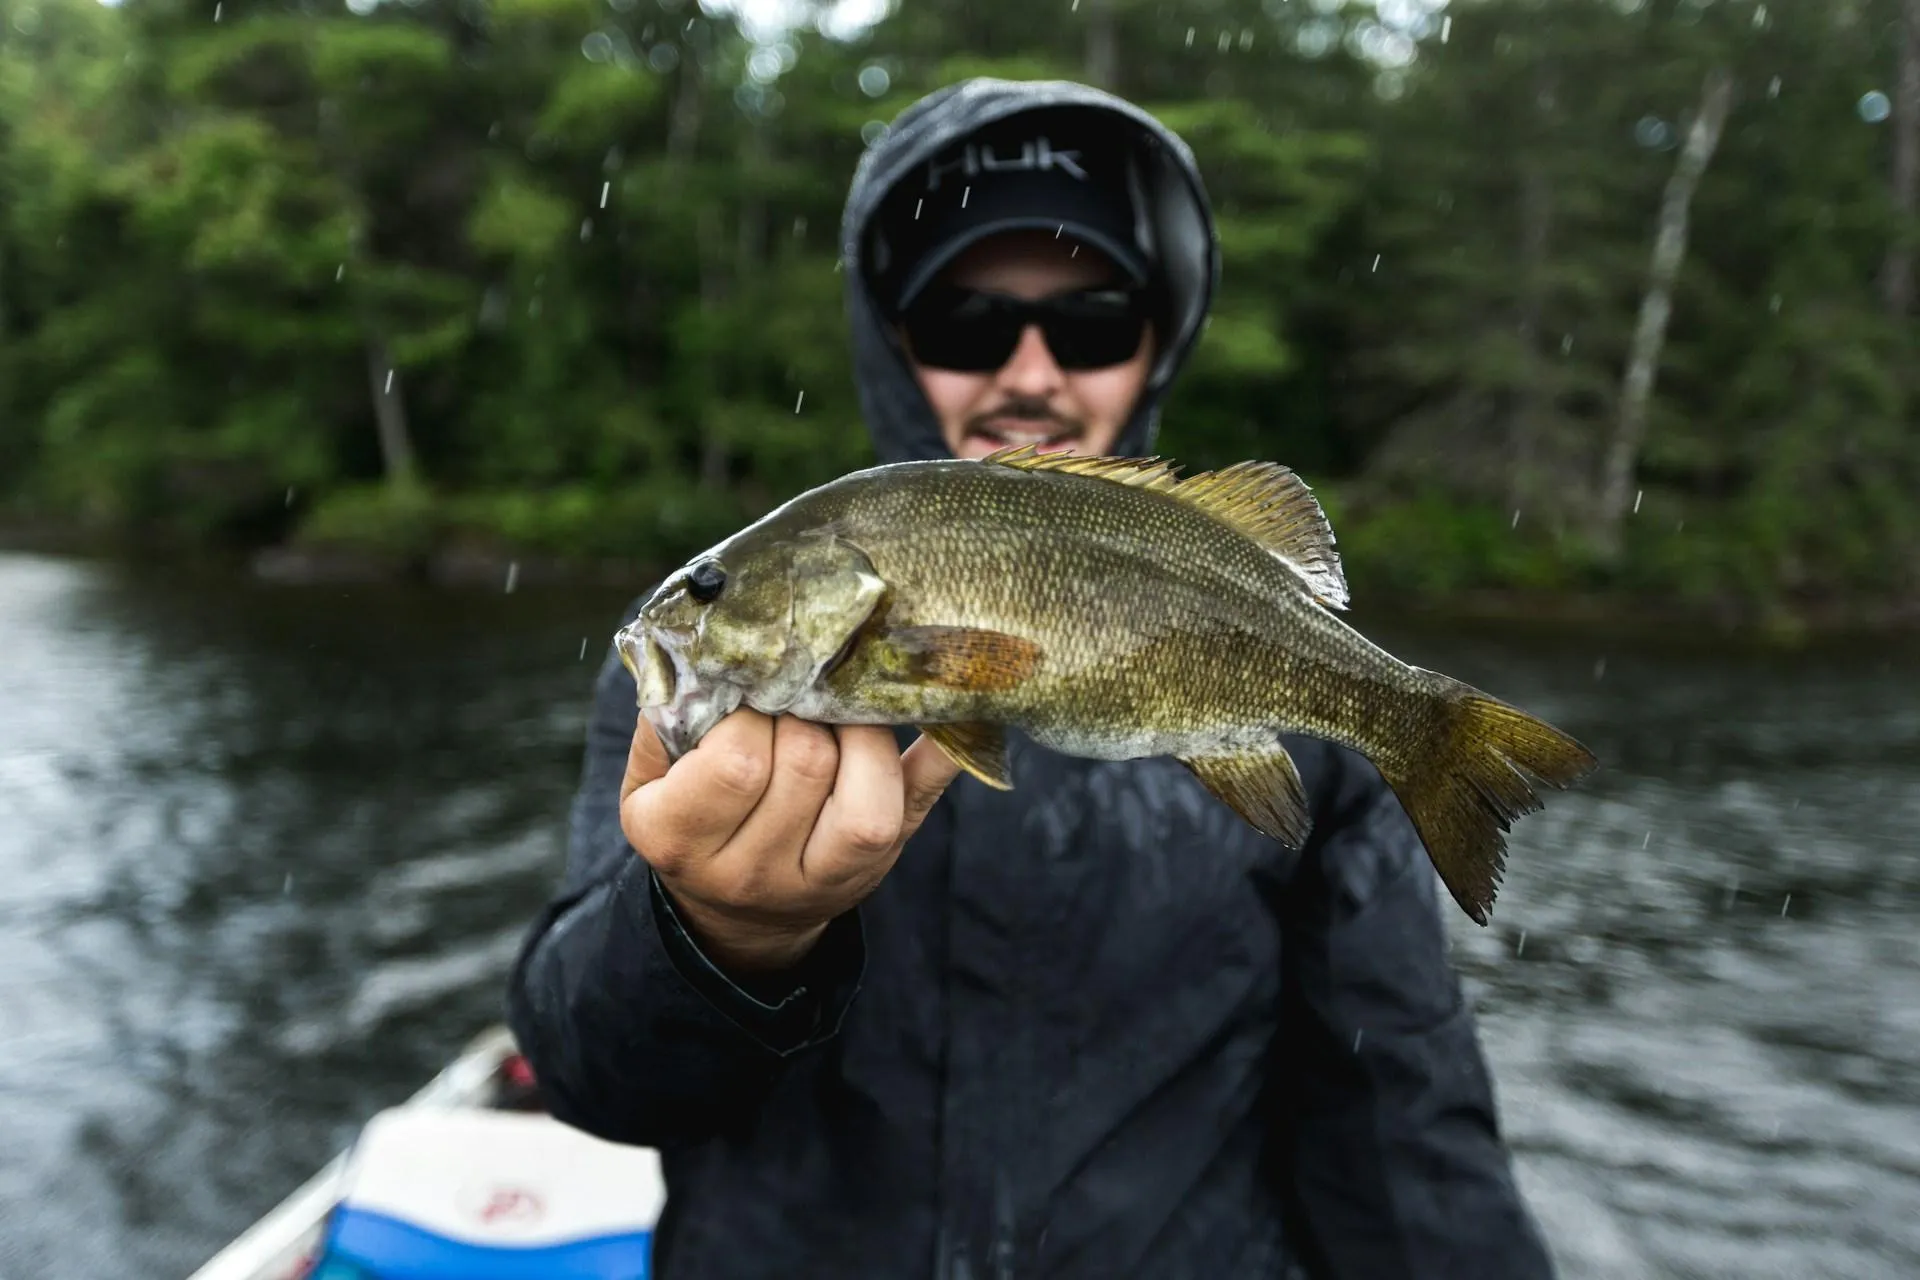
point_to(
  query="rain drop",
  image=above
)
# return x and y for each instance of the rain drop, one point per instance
(1446, 28)
(1636, 500)
(1189, 37)
(874, 80)
(1600, 669)
(1646, 840)
(1652, 132)
(388, 389)
(1520, 947)
(286, 885)
(872, 131)
(597, 47)
(1376, 262)
(216, 13)
(1773, 87)
(1874, 107)
(606, 188)
(340, 272)
(583, 648)
(586, 230)
(289, 498)
(513, 575)
(1515, 522)
(1356, 1039)
(802, 399)
(1784, 905)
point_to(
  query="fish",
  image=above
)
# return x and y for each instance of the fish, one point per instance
(1109, 608)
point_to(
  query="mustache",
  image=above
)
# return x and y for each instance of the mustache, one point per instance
(1036, 412)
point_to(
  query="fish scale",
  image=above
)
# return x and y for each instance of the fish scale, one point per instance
(1106, 607)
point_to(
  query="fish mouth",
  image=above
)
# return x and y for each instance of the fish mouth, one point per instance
(655, 669)
(670, 696)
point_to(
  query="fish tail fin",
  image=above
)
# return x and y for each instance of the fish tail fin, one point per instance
(1467, 782)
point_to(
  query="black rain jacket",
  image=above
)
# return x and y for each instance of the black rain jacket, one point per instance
(1095, 1027)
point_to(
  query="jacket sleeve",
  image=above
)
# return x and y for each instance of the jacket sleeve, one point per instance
(632, 1034)
(1397, 1162)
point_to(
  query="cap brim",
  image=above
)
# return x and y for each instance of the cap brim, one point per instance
(1128, 258)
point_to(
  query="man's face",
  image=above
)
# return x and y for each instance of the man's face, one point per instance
(1030, 399)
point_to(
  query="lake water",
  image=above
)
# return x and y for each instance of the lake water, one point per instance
(266, 853)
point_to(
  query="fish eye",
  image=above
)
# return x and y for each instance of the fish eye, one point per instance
(705, 581)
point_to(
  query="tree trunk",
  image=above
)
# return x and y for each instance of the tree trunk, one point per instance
(683, 118)
(683, 138)
(1103, 45)
(389, 415)
(1526, 420)
(383, 380)
(1896, 270)
(1643, 360)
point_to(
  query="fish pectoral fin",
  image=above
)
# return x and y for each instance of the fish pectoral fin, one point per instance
(1263, 788)
(980, 749)
(963, 657)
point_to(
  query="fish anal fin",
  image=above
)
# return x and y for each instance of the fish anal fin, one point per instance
(969, 658)
(980, 749)
(1264, 788)
(1273, 506)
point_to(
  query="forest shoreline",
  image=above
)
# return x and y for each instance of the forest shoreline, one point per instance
(464, 566)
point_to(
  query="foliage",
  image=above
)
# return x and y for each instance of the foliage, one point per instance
(560, 274)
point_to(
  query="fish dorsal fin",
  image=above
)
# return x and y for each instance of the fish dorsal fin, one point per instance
(1143, 473)
(1273, 506)
(1262, 500)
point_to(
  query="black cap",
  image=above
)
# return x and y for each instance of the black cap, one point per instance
(1058, 171)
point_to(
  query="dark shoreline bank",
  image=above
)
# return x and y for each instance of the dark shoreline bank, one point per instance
(469, 568)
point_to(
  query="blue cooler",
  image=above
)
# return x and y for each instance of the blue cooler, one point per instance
(490, 1195)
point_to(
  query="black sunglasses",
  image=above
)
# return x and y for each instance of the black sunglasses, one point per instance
(972, 332)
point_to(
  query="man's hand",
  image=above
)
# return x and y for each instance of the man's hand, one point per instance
(772, 827)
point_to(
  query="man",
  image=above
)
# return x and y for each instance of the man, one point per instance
(880, 1022)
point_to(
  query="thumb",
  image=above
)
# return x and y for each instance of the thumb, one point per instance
(646, 760)
(926, 771)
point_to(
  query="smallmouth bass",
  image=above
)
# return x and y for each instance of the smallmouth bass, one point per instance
(1106, 607)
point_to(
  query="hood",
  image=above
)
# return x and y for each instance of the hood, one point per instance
(898, 417)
